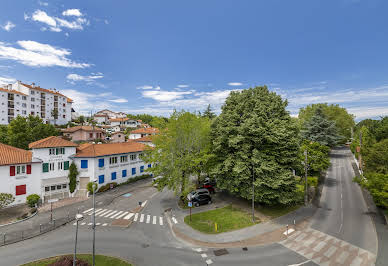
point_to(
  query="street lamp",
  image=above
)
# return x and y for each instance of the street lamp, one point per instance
(78, 217)
(94, 221)
(305, 178)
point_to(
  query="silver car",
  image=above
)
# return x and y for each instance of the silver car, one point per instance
(197, 192)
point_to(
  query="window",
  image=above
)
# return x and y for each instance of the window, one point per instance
(113, 177)
(133, 171)
(124, 173)
(47, 189)
(24, 98)
(59, 151)
(59, 187)
(21, 190)
(84, 164)
(149, 166)
(32, 92)
(32, 99)
(101, 162)
(66, 165)
(20, 169)
(101, 179)
(124, 159)
(64, 186)
(51, 151)
(142, 169)
(52, 188)
(32, 106)
(24, 105)
(133, 157)
(45, 167)
(51, 165)
(24, 112)
(90, 135)
(60, 165)
(113, 160)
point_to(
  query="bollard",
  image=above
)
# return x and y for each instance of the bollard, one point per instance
(54, 222)
(287, 230)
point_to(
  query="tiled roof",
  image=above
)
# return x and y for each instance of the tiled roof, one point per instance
(150, 130)
(69, 100)
(117, 132)
(50, 142)
(33, 87)
(85, 128)
(83, 146)
(13, 91)
(101, 115)
(119, 119)
(96, 150)
(144, 139)
(12, 155)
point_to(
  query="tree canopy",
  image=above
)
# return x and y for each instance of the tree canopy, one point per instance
(255, 134)
(317, 159)
(209, 113)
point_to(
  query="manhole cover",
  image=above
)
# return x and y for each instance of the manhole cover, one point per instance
(245, 248)
(220, 252)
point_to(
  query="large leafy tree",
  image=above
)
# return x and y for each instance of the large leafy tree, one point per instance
(24, 130)
(4, 134)
(376, 158)
(181, 150)
(317, 159)
(6, 199)
(344, 121)
(320, 129)
(254, 134)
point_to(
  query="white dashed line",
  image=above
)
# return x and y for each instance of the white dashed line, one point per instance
(105, 224)
(161, 220)
(203, 255)
(88, 210)
(83, 223)
(136, 216)
(128, 216)
(122, 215)
(209, 261)
(154, 220)
(148, 219)
(98, 223)
(141, 218)
(144, 203)
(109, 215)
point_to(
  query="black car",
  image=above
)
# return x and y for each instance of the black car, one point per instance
(201, 200)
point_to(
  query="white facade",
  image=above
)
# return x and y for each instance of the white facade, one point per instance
(28, 183)
(135, 136)
(21, 99)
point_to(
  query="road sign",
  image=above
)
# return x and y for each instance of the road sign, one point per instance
(52, 200)
(190, 204)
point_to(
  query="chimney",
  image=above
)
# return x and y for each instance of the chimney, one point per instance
(33, 84)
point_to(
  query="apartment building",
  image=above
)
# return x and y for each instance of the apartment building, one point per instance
(24, 100)
(111, 114)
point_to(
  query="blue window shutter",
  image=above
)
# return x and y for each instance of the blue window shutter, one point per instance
(149, 166)
(142, 169)
(101, 179)
(100, 162)
(124, 173)
(133, 171)
(84, 164)
(114, 176)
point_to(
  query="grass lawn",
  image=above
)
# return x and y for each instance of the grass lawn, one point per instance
(100, 261)
(227, 219)
(277, 210)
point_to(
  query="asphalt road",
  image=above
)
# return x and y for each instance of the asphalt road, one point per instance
(343, 212)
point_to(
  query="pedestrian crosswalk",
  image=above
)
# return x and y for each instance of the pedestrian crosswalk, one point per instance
(126, 215)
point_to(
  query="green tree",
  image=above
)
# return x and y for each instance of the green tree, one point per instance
(382, 129)
(180, 150)
(6, 199)
(24, 130)
(377, 184)
(158, 122)
(209, 113)
(333, 112)
(81, 119)
(376, 158)
(54, 113)
(73, 173)
(92, 186)
(4, 134)
(317, 159)
(32, 200)
(255, 134)
(319, 129)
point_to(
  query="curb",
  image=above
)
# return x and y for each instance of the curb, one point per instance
(25, 219)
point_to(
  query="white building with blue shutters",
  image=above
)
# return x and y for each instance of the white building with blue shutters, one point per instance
(107, 163)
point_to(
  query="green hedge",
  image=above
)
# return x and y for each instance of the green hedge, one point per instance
(32, 200)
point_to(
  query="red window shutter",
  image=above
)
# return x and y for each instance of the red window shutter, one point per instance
(28, 169)
(20, 190)
(12, 170)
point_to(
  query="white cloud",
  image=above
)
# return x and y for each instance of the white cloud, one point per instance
(90, 78)
(120, 100)
(38, 54)
(8, 26)
(147, 87)
(368, 112)
(183, 86)
(165, 96)
(72, 12)
(56, 24)
(106, 21)
(6, 80)
(42, 3)
(235, 84)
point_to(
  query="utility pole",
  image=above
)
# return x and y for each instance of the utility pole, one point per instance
(359, 154)
(305, 178)
(253, 194)
(94, 223)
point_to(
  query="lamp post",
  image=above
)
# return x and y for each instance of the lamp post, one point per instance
(94, 221)
(305, 178)
(78, 217)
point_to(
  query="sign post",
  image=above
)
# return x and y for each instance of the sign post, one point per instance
(190, 204)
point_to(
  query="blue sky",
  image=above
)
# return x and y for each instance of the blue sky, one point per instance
(154, 56)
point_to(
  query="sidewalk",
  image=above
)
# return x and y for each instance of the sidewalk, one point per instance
(41, 222)
(253, 235)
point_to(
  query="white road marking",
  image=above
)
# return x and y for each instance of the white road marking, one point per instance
(88, 210)
(136, 215)
(148, 219)
(107, 213)
(75, 223)
(209, 261)
(197, 249)
(110, 214)
(174, 220)
(299, 263)
(154, 220)
(161, 220)
(114, 216)
(90, 223)
(121, 215)
(129, 216)
(96, 211)
(141, 218)
(98, 223)
(105, 224)
(144, 203)
(289, 231)
(83, 223)
(100, 211)
(203, 255)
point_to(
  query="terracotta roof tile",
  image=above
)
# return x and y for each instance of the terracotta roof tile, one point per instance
(42, 90)
(149, 130)
(13, 91)
(95, 150)
(119, 119)
(12, 155)
(50, 142)
(144, 139)
(85, 128)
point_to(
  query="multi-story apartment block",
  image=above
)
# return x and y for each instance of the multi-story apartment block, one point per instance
(24, 100)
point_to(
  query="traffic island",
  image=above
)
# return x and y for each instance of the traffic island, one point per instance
(82, 260)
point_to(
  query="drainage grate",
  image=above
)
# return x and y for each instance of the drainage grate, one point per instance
(220, 252)
(245, 248)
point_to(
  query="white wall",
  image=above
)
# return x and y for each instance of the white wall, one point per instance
(134, 136)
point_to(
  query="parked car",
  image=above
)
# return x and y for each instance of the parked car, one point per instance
(201, 199)
(201, 191)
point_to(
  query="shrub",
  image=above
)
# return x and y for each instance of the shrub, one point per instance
(107, 187)
(312, 181)
(32, 200)
(90, 187)
(6, 199)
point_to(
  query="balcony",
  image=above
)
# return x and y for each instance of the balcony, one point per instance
(11, 105)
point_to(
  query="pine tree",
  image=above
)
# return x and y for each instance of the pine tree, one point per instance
(209, 113)
(73, 173)
(320, 129)
(254, 134)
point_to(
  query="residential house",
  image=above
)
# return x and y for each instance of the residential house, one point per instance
(101, 119)
(84, 133)
(111, 114)
(24, 100)
(145, 140)
(117, 137)
(143, 132)
(124, 122)
(55, 155)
